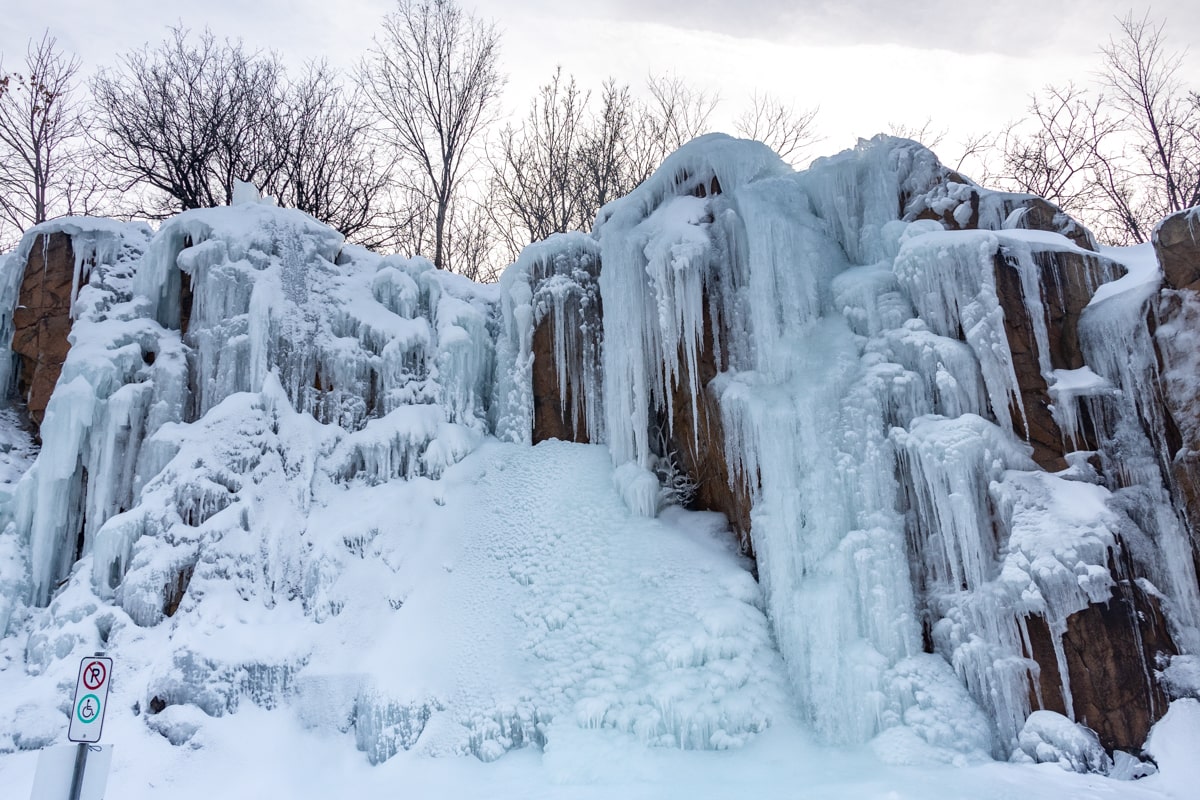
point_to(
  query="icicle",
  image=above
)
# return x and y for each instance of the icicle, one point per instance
(554, 283)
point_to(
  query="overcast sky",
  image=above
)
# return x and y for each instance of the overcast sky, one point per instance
(968, 65)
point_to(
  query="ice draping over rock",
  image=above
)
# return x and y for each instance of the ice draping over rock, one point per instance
(395, 355)
(265, 472)
(552, 285)
(870, 395)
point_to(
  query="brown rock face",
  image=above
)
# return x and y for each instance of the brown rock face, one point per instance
(42, 320)
(174, 591)
(1067, 281)
(1179, 310)
(982, 208)
(1040, 215)
(554, 416)
(698, 442)
(567, 314)
(185, 302)
(1177, 245)
(1111, 652)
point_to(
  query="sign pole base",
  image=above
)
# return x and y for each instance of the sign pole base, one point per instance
(77, 775)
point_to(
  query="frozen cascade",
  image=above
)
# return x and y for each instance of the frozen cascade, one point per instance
(1119, 348)
(272, 293)
(395, 371)
(661, 317)
(949, 277)
(857, 342)
(120, 377)
(830, 545)
(224, 375)
(257, 420)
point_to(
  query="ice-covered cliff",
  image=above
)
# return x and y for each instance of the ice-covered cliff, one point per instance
(951, 432)
(934, 412)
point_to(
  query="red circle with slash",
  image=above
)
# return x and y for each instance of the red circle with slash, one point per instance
(94, 674)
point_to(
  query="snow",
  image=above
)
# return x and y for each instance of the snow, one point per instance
(1143, 273)
(304, 513)
(1049, 737)
(1172, 743)
(562, 619)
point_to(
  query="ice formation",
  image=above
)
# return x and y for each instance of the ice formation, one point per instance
(870, 402)
(554, 282)
(266, 443)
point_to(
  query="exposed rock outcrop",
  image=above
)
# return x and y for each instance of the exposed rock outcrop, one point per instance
(1177, 338)
(697, 441)
(42, 320)
(1177, 245)
(556, 414)
(1067, 281)
(1111, 652)
(960, 206)
(565, 348)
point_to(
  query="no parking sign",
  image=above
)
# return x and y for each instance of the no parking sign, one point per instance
(91, 699)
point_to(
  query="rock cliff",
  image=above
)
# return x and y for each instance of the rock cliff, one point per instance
(42, 319)
(958, 437)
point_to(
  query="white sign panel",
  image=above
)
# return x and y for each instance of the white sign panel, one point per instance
(56, 766)
(91, 699)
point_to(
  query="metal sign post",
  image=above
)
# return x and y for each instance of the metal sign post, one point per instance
(87, 712)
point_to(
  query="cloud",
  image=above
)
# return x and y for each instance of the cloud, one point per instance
(1009, 27)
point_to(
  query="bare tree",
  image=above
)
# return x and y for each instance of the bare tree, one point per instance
(1121, 157)
(43, 169)
(537, 180)
(330, 166)
(1142, 77)
(927, 133)
(674, 114)
(678, 112)
(189, 119)
(472, 241)
(565, 161)
(1057, 159)
(555, 171)
(432, 76)
(785, 129)
(608, 171)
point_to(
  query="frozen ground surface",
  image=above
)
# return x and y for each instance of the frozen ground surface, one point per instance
(520, 588)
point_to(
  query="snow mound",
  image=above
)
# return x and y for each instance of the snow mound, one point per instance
(1050, 738)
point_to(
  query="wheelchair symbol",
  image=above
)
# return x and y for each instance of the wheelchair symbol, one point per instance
(88, 708)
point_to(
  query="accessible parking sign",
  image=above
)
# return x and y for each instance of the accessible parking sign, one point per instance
(91, 699)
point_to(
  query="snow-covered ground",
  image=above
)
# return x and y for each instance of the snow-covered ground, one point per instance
(520, 586)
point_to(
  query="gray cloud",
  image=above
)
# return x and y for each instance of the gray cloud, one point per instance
(1010, 27)
(1020, 28)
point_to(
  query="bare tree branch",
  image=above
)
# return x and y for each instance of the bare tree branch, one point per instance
(44, 167)
(785, 129)
(1123, 158)
(433, 77)
(188, 119)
